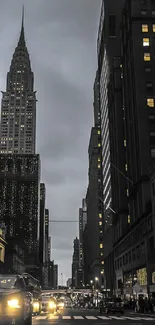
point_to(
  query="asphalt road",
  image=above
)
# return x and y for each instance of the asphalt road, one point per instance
(92, 317)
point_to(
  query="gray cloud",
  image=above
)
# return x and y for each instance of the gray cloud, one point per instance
(61, 38)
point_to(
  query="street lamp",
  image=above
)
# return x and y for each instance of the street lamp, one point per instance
(97, 280)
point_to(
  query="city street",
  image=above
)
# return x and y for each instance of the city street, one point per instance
(72, 316)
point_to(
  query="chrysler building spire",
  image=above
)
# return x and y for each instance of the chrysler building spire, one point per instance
(21, 41)
(18, 113)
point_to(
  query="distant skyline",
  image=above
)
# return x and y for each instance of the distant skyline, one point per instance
(61, 38)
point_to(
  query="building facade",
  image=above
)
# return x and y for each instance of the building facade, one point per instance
(94, 198)
(75, 261)
(46, 246)
(108, 47)
(127, 101)
(82, 224)
(42, 232)
(69, 283)
(19, 190)
(55, 276)
(134, 250)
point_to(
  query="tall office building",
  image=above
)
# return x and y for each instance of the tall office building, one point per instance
(108, 47)
(82, 224)
(95, 249)
(19, 165)
(55, 276)
(75, 261)
(46, 247)
(127, 96)
(42, 232)
(18, 108)
(134, 250)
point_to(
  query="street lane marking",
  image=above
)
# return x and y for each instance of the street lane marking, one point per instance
(78, 317)
(104, 317)
(66, 317)
(53, 317)
(90, 317)
(120, 318)
(147, 318)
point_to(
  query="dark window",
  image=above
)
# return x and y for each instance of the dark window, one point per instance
(153, 189)
(129, 256)
(149, 85)
(112, 25)
(151, 244)
(153, 2)
(151, 117)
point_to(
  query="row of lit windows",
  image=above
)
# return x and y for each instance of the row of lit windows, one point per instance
(145, 28)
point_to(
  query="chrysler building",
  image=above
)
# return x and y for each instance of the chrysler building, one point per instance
(18, 107)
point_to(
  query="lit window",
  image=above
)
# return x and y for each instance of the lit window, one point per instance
(101, 245)
(99, 166)
(99, 159)
(124, 143)
(150, 102)
(101, 231)
(147, 57)
(127, 192)
(102, 271)
(100, 223)
(128, 219)
(153, 152)
(153, 28)
(145, 28)
(102, 262)
(126, 167)
(146, 41)
(98, 132)
(99, 144)
(101, 253)
(100, 215)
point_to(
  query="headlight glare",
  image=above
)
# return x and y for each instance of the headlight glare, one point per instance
(13, 303)
(52, 305)
(36, 305)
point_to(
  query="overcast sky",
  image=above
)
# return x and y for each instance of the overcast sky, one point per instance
(61, 38)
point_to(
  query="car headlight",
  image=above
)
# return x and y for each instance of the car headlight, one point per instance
(13, 303)
(52, 305)
(36, 305)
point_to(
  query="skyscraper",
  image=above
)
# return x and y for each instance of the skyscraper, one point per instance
(82, 224)
(19, 165)
(108, 47)
(75, 261)
(94, 250)
(18, 107)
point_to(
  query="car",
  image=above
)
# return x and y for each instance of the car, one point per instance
(60, 304)
(114, 304)
(15, 300)
(49, 304)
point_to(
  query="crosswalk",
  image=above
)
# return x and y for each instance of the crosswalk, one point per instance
(99, 318)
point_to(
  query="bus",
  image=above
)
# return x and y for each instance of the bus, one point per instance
(35, 291)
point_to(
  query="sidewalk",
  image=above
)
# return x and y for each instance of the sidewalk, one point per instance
(142, 314)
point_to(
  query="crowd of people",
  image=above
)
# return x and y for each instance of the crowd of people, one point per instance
(143, 305)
